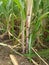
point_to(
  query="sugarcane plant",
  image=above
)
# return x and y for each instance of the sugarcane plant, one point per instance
(32, 15)
(28, 21)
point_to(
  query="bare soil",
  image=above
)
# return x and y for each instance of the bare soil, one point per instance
(5, 59)
(5, 52)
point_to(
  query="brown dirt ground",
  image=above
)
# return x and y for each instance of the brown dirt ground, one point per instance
(5, 52)
(5, 59)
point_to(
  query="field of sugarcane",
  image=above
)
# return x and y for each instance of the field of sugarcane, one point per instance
(24, 32)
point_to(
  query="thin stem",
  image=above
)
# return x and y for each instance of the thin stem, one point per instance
(39, 56)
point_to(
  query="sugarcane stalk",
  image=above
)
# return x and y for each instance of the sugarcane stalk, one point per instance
(28, 19)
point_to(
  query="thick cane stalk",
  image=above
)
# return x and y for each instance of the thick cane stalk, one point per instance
(28, 19)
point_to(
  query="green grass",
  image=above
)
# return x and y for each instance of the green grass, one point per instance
(43, 53)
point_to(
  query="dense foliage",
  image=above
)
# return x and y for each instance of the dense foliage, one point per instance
(13, 14)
